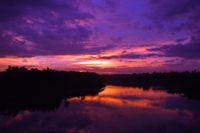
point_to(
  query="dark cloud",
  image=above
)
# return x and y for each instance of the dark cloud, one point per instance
(10, 45)
(169, 61)
(151, 55)
(169, 9)
(180, 40)
(181, 62)
(13, 9)
(189, 50)
(131, 56)
(175, 62)
(102, 6)
(173, 16)
(146, 45)
(24, 60)
(118, 39)
(147, 27)
(101, 48)
(111, 5)
(153, 2)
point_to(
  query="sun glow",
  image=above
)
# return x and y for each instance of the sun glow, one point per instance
(92, 63)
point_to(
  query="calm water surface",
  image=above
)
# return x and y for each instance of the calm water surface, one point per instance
(116, 109)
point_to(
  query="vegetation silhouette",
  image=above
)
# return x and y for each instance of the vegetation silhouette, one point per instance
(187, 83)
(35, 90)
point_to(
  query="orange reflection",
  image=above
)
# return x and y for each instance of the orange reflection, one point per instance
(129, 97)
(18, 117)
(128, 106)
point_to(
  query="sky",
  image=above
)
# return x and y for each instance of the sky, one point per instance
(102, 36)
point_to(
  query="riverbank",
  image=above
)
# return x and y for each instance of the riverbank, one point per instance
(187, 83)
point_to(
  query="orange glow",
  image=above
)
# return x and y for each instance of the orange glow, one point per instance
(83, 63)
(18, 117)
(112, 101)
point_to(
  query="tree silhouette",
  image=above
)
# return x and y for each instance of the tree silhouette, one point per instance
(23, 69)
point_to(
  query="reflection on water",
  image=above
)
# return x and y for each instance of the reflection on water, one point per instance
(116, 109)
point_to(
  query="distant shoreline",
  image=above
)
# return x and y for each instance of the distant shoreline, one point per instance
(186, 82)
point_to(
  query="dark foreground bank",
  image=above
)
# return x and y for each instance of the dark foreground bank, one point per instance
(35, 90)
(187, 83)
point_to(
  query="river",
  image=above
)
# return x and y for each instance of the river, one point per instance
(115, 109)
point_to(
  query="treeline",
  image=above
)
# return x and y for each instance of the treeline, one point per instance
(186, 82)
(167, 79)
(20, 77)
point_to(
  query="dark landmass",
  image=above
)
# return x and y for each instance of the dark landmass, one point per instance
(22, 79)
(175, 82)
(11, 103)
(35, 90)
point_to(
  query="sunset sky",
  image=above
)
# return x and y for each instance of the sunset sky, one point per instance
(102, 36)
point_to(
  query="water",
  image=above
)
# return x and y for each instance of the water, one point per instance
(116, 109)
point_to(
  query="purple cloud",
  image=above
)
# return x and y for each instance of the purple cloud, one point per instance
(45, 28)
(189, 50)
